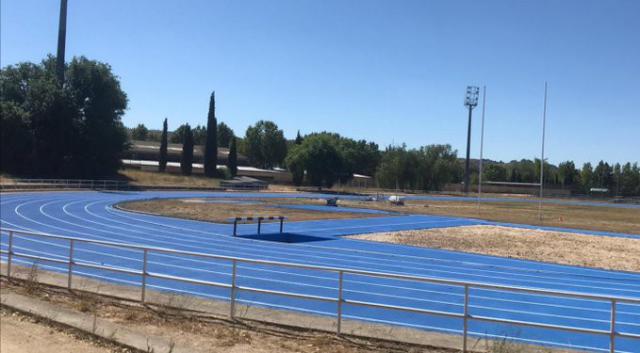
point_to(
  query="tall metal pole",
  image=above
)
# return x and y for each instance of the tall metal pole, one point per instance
(466, 162)
(544, 123)
(470, 101)
(484, 101)
(62, 35)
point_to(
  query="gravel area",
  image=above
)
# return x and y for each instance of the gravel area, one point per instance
(556, 247)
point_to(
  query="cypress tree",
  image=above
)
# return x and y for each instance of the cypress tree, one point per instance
(299, 139)
(162, 164)
(211, 146)
(232, 160)
(186, 163)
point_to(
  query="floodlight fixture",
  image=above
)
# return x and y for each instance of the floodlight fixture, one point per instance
(471, 97)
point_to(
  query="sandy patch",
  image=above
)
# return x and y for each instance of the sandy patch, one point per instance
(556, 247)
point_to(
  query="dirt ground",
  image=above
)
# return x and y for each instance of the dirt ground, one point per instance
(203, 210)
(24, 334)
(556, 247)
(203, 333)
(577, 217)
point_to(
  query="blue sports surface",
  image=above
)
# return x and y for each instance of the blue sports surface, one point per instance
(92, 215)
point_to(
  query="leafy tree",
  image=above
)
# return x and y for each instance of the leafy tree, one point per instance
(225, 135)
(211, 146)
(73, 130)
(199, 134)
(139, 132)
(16, 139)
(318, 155)
(436, 166)
(265, 145)
(586, 177)
(630, 179)
(186, 162)
(162, 161)
(568, 174)
(603, 175)
(232, 160)
(494, 172)
(398, 168)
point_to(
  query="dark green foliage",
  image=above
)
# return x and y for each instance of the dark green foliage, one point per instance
(16, 138)
(186, 162)
(232, 160)
(70, 131)
(428, 168)
(568, 175)
(299, 139)
(265, 145)
(211, 143)
(162, 165)
(225, 135)
(199, 134)
(319, 156)
(140, 132)
(586, 177)
(494, 172)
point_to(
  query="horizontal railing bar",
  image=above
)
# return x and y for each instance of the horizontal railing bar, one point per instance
(188, 280)
(539, 325)
(405, 308)
(345, 270)
(39, 258)
(108, 268)
(288, 294)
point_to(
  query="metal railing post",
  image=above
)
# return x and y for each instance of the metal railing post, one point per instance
(612, 335)
(70, 270)
(340, 300)
(466, 319)
(259, 224)
(10, 255)
(232, 306)
(281, 224)
(145, 256)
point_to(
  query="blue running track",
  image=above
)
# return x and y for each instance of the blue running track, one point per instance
(92, 215)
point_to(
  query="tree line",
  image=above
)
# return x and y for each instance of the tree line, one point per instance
(74, 129)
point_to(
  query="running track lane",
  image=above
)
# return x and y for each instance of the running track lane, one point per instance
(92, 215)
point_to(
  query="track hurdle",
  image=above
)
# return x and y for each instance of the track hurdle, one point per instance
(259, 219)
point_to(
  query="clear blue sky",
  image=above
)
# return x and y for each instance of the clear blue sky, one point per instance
(387, 71)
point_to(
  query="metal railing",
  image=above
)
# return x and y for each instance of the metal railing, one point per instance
(339, 300)
(104, 184)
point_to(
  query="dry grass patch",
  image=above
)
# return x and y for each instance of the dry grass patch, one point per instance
(221, 212)
(556, 247)
(140, 177)
(606, 219)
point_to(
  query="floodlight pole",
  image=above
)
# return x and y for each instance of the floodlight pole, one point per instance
(466, 162)
(470, 101)
(544, 123)
(62, 34)
(484, 101)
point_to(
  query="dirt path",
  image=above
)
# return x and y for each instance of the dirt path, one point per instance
(556, 247)
(22, 334)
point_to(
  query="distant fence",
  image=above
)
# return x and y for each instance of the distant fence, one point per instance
(99, 184)
(29, 184)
